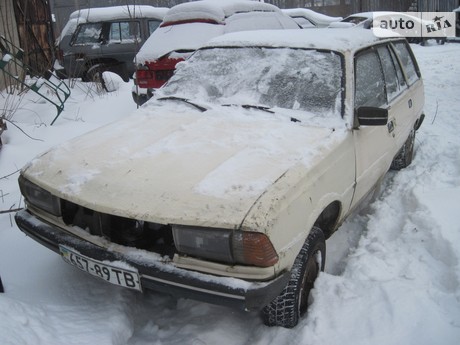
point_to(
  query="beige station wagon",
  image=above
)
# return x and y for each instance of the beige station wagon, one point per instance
(225, 186)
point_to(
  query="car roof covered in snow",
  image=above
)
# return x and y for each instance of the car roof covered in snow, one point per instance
(323, 38)
(187, 35)
(98, 14)
(215, 10)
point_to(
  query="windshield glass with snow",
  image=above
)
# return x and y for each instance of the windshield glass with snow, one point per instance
(287, 78)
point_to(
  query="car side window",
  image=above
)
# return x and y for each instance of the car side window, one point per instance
(153, 25)
(369, 81)
(399, 73)
(124, 32)
(394, 79)
(89, 33)
(407, 62)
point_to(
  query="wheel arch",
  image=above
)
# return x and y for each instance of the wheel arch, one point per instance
(113, 65)
(328, 220)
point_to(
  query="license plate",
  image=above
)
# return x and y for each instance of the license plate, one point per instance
(111, 273)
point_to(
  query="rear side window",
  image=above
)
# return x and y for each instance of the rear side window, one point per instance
(153, 25)
(394, 79)
(124, 32)
(407, 62)
(369, 80)
(399, 73)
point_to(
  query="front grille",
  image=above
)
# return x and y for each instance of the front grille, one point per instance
(124, 231)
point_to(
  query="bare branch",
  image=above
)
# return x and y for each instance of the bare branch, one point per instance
(6, 176)
(27, 135)
(11, 210)
(436, 113)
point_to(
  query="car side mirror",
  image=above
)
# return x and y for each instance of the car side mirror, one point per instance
(372, 116)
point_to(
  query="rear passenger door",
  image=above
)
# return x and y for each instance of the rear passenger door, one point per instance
(122, 39)
(375, 146)
(407, 102)
(386, 76)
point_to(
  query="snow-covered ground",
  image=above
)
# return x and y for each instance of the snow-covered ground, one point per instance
(392, 275)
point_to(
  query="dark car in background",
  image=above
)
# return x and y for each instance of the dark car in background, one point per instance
(95, 40)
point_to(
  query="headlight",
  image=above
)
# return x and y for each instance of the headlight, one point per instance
(39, 197)
(228, 246)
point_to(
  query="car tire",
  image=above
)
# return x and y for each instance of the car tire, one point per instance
(286, 309)
(94, 74)
(405, 155)
(139, 99)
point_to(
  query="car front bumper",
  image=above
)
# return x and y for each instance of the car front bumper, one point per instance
(160, 276)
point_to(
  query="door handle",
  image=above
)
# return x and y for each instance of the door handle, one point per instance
(391, 126)
(409, 103)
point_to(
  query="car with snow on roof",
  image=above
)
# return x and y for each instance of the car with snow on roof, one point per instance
(225, 186)
(309, 19)
(95, 40)
(189, 25)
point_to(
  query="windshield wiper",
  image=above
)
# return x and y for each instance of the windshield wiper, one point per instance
(251, 106)
(185, 100)
(259, 107)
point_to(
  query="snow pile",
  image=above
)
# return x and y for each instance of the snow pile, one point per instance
(392, 271)
(112, 81)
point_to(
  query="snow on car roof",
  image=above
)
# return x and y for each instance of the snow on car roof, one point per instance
(216, 10)
(371, 15)
(329, 39)
(192, 35)
(118, 12)
(99, 14)
(317, 18)
(177, 37)
(362, 14)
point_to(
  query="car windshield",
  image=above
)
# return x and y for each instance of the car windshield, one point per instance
(296, 79)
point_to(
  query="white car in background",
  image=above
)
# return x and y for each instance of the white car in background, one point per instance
(188, 26)
(366, 20)
(225, 186)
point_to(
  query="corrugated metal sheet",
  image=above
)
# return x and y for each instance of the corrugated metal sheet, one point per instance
(8, 28)
(36, 34)
(437, 5)
(381, 5)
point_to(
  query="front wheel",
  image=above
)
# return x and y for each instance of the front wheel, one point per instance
(286, 309)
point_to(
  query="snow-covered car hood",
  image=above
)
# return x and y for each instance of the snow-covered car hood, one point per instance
(180, 167)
